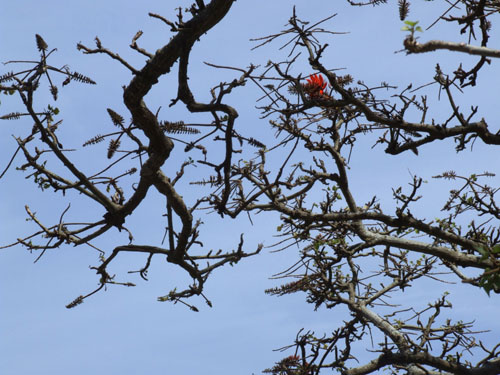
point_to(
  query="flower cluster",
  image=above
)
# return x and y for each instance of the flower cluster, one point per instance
(315, 86)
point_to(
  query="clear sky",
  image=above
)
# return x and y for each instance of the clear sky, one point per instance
(125, 330)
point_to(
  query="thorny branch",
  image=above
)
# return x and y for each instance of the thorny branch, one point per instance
(150, 155)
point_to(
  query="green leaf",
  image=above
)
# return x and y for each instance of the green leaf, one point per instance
(495, 249)
(487, 288)
(490, 282)
(496, 282)
(483, 251)
(411, 23)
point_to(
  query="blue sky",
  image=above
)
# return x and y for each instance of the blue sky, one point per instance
(124, 330)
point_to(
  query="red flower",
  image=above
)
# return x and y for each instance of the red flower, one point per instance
(315, 85)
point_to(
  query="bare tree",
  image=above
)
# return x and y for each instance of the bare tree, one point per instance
(358, 255)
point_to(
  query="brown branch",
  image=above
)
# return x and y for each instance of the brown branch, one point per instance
(412, 46)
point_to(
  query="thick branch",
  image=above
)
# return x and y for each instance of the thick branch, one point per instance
(412, 46)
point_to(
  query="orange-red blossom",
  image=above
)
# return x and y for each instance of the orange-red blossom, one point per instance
(315, 85)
